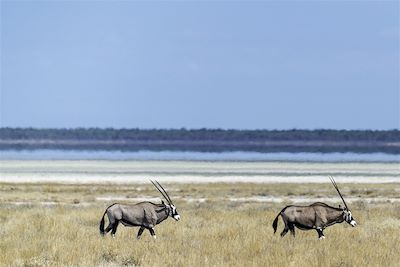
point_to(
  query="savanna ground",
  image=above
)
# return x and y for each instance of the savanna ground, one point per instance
(223, 224)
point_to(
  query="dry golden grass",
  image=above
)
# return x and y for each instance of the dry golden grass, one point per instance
(216, 232)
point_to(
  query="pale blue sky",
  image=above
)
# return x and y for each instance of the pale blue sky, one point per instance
(242, 65)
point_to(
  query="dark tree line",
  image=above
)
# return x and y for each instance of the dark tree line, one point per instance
(198, 134)
(294, 140)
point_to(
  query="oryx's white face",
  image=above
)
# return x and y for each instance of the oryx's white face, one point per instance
(174, 213)
(349, 218)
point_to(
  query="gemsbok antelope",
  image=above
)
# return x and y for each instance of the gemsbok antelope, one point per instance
(316, 216)
(146, 215)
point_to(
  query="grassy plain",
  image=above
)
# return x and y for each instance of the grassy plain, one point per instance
(223, 224)
(59, 227)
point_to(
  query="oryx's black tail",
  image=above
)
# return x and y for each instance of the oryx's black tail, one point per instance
(275, 223)
(101, 227)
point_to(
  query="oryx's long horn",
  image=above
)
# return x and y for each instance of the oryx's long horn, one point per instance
(337, 189)
(169, 199)
(162, 193)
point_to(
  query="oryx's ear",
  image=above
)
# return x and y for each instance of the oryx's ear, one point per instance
(162, 202)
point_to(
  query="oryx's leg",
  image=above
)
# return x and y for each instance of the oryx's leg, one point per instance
(320, 233)
(108, 228)
(111, 222)
(153, 234)
(286, 229)
(114, 228)
(291, 228)
(140, 232)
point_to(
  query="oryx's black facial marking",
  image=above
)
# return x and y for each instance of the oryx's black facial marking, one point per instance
(174, 213)
(348, 217)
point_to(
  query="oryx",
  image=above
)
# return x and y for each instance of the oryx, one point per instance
(316, 216)
(144, 214)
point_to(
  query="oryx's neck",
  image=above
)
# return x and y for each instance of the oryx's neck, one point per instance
(163, 214)
(334, 216)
